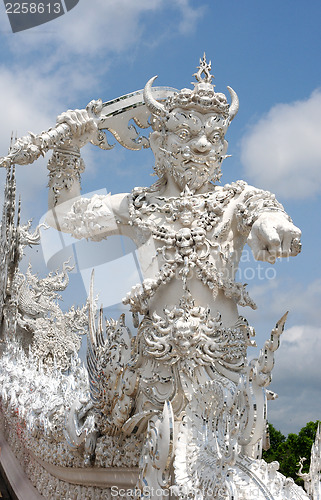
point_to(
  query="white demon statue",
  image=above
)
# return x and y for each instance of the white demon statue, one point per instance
(183, 382)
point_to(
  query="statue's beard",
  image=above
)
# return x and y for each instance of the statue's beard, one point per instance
(194, 176)
(188, 169)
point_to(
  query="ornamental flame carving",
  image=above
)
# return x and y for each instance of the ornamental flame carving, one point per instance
(178, 401)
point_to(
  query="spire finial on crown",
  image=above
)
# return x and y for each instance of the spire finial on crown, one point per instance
(205, 68)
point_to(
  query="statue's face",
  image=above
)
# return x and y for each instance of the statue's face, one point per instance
(195, 145)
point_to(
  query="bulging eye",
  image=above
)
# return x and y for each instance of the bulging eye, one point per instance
(184, 134)
(215, 138)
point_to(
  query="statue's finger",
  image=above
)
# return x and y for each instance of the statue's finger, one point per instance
(269, 236)
(286, 244)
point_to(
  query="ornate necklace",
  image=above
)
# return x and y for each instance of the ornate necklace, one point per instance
(187, 249)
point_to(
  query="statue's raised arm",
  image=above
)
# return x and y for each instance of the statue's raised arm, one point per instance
(93, 218)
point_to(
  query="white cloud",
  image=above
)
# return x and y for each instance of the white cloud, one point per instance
(109, 26)
(190, 16)
(300, 352)
(106, 26)
(302, 300)
(31, 99)
(29, 102)
(282, 151)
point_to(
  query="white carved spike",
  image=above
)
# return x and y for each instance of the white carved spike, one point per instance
(91, 355)
(157, 455)
(91, 311)
(265, 362)
(259, 375)
(100, 337)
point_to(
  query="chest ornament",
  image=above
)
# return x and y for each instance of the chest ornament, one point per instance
(185, 250)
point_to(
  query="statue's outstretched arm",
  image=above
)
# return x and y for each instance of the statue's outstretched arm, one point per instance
(93, 218)
(269, 230)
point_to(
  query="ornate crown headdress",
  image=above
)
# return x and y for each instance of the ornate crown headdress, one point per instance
(202, 98)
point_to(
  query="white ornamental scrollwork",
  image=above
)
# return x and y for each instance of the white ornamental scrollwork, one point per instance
(207, 445)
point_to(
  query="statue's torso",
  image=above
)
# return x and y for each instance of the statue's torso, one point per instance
(188, 244)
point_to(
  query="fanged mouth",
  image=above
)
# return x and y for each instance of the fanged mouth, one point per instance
(188, 158)
(204, 159)
(201, 161)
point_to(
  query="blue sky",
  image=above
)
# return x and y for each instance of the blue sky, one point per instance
(269, 52)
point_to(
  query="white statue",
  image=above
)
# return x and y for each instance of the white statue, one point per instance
(190, 233)
(183, 383)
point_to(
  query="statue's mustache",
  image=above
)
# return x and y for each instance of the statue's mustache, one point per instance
(187, 156)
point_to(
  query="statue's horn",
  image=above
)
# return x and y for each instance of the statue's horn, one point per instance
(154, 106)
(234, 107)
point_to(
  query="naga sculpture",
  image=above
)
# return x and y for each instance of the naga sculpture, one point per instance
(180, 395)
